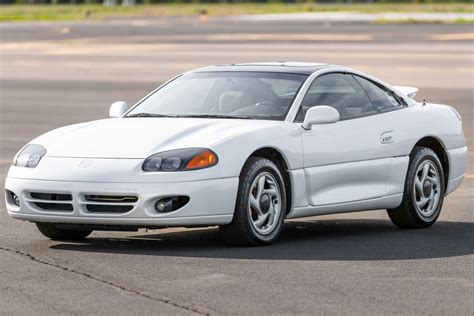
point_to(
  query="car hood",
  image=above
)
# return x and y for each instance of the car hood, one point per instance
(141, 137)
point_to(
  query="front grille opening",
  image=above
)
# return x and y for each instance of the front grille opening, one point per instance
(111, 198)
(54, 206)
(51, 196)
(101, 208)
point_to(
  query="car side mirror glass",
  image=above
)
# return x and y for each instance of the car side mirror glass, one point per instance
(321, 114)
(117, 109)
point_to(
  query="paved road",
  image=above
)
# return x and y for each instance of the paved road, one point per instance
(58, 74)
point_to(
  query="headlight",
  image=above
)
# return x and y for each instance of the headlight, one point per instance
(29, 156)
(181, 159)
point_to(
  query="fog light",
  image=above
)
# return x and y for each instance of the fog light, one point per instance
(164, 205)
(171, 203)
(16, 200)
(13, 198)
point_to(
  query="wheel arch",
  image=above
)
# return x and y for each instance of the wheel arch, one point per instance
(277, 157)
(438, 147)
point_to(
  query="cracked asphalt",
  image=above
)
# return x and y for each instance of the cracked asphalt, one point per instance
(54, 74)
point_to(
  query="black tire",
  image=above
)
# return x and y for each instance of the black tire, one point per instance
(52, 232)
(241, 232)
(407, 215)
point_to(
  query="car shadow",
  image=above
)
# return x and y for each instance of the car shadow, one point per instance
(339, 240)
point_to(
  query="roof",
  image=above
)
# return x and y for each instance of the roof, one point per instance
(286, 67)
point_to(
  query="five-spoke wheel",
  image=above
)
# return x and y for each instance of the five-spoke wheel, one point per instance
(427, 188)
(261, 205)
(264, 203)
(424, 191)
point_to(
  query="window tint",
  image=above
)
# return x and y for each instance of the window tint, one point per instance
(382, 99)
(340, 91)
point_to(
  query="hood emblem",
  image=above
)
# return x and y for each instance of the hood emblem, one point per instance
(85, 163)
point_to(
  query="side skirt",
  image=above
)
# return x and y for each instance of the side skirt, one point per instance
(386, 202)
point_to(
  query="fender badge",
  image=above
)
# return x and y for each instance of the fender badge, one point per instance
(85, 163)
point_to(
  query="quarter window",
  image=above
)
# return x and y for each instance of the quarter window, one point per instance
(340, 91)
(382, 99)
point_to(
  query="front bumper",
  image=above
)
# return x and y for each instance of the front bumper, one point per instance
(212, 202)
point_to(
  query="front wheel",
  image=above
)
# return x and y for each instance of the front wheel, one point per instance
(52, 232)
(261, 205)
(424, 191)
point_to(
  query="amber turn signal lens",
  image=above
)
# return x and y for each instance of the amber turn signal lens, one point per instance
(205, 158)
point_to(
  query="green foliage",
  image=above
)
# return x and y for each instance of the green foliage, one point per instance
(45, 12)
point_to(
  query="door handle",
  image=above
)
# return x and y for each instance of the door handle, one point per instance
(386, 137)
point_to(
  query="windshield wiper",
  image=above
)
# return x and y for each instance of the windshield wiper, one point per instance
(216, 116)
(190, 115)
(149, 115)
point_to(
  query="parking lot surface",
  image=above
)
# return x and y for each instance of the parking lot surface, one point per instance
(55, 74)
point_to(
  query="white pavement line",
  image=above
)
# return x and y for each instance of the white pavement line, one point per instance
(166, 42)
(289, 37)
(355, 16)
(414, 69)
(451, 37)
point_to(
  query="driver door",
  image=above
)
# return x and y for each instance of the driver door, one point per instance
(345, 161)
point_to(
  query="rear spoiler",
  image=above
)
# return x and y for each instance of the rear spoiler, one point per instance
(408, 91)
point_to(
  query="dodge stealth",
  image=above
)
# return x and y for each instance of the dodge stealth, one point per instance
(244, 147)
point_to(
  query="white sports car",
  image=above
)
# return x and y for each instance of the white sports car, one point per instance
(244, 147)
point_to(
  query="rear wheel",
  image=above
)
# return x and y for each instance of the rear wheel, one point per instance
(424, 191)
(261, 205)
(51, 231)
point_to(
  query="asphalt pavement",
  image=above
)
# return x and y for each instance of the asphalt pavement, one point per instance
(55, 74)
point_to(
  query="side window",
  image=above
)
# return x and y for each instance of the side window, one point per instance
(382, 99)
(342, 92)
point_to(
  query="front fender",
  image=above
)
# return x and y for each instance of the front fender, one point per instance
(284, 138)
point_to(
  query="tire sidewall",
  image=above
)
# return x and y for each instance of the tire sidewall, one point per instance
(421, 156)
(257, 169)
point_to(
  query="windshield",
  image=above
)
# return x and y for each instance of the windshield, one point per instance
(251, 95)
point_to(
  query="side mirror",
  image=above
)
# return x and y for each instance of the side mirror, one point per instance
(321, 114)
(117, 109)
